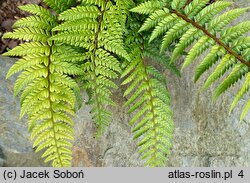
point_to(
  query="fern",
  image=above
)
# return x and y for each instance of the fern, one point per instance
(94, 42)
(95, 28)
(148, 98)
(48, 96)
(204, 25)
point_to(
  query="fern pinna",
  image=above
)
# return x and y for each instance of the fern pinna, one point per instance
(48, 96)
(204, 25)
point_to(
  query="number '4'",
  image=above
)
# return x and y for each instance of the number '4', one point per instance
(241, 174)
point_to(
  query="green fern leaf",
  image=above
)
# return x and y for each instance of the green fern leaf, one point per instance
(60, 5)
(178, 4)
(39, 11)
(31, 34)
(79, 12)
(28, 48)
(48, 96)
(241, 92)
(148, 7)
(237, 73)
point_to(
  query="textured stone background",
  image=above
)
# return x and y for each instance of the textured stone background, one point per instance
(205, 135)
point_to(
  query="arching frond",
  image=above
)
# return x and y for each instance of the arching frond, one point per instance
(48, 92)
(198, 26)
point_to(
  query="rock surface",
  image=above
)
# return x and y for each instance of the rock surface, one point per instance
(15, 147)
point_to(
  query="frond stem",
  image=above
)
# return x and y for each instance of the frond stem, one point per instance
(98, 105)
(50, 104)
(217, 40)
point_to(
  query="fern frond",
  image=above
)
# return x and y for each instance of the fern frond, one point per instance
(154, 19)
(28, 48)
(150, 103)
(237, 73)
(60, 5)
(48, 96)
(195, 7)
(100, 3)
(27, 62)
(101, 36)
(163, 26)
(178, 4)
(202, 25)
(82, 24)
(148, 100)
(31, 34)
(39, 11)
(245, 110)
(80, 12)
(148, 7)
(32, 21)
(226, 63)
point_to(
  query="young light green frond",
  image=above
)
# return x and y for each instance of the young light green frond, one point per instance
(225, 64)
(245, 110)
(178, 4)
(79, 12)
(60, 5)
(82, 24)
(28, 48)
(175, 32)
(208, 61)
(210, 11)
(33, 21)
(164, 25)
(186, 40)
(195, 7)
(27, 62)
(39, 11)
(221, 21)
(197, 49)
(148, 7)
(237, 73)
(154, 19)
(31, 34)
(235, 32)
(49, 94)
(244, 89)
(99, 3)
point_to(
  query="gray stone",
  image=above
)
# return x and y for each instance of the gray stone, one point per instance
(15, 146)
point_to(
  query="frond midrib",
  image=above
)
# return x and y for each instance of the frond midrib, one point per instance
(217, 40)
(50, 107)
(98, 104)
